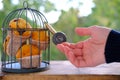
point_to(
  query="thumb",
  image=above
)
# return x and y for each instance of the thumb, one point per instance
(83, 31)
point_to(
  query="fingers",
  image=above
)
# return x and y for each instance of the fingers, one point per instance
(66, 44)
(65, 48)
(73, 55)
(70, 56)
(60, 47)
(75, 48)
(83, 31)
(74, 45)
(78, 61)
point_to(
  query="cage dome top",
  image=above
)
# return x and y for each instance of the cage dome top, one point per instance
(34, 17)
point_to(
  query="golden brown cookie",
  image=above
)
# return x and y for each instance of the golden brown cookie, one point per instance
(13, 43)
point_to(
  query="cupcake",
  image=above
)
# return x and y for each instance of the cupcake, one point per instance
(30, 61)
(20, 27)
(16, 36)
(12, 43)
(40, 38)
(29, 56)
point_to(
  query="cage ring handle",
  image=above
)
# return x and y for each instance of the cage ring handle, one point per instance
(25, 4)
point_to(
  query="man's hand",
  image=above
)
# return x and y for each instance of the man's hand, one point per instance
(89, 52)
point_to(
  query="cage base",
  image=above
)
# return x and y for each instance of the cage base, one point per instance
(16, 68)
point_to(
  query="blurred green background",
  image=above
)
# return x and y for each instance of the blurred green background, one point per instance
(104, 13)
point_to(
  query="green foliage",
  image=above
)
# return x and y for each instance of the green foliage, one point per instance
(67, 23)
(105, 13)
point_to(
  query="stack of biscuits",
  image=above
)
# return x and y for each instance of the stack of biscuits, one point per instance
(24, 43)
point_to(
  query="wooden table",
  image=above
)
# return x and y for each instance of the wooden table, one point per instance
(64, 70)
